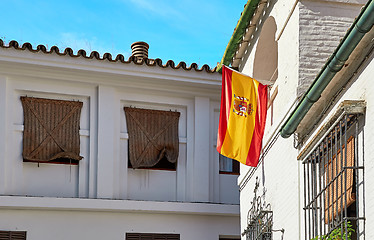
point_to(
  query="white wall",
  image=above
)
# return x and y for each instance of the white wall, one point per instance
(278, 174)
(99, 219)
(154, 184)
(105, 88)
(45, 179)
(103, 175)
(308, 37)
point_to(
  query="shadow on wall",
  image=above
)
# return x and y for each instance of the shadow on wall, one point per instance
(265, 65)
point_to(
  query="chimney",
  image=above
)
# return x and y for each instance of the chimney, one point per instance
(140, 49)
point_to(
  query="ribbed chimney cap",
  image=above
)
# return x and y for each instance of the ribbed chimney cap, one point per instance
(140, 49)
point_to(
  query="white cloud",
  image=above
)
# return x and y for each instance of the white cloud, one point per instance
(158, 8)
(78, 41)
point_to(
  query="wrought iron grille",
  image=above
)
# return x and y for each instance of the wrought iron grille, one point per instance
(331, 183)
(259, 219)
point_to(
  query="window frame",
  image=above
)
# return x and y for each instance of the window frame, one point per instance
(235, 170)
(330, 156)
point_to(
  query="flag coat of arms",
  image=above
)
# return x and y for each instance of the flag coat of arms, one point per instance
(242, 117)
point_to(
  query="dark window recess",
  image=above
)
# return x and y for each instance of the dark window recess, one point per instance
(331, 174)
(51, 130)
(152, 236)
(13, 235)
(228, 165)
(153, 138)
(163, 164)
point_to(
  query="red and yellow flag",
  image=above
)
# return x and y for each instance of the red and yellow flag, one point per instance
(242, 117)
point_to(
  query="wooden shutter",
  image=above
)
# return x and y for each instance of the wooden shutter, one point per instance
(12, 235)
(153, 135)
(152, 236)
(51, 129)
(336, 190)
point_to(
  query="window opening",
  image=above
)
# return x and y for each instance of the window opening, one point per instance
(153, 138)
(163, 164)
(228, 165)
(331, 173)
(51, 130)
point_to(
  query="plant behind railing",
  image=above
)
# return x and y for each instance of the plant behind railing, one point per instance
(338, 233)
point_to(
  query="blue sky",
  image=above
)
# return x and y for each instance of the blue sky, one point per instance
(183, 30)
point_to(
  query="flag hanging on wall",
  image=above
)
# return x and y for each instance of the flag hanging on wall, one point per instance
(242, 117)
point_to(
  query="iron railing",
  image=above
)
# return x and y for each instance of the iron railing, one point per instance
(259, 219)
(331, 183)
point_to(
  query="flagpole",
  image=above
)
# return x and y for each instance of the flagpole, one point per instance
(262, 81)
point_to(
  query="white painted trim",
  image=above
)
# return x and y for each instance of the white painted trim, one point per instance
(129, 69)
(3, 130)
(104, 205)
(107, 147)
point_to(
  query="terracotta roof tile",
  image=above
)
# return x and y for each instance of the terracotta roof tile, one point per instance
(106, 56)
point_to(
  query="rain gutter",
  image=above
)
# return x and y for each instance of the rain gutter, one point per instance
(238, 34)
(357, 31)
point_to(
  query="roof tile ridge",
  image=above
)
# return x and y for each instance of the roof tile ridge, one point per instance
(94, 54)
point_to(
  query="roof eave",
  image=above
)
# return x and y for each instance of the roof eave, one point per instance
(240, 39)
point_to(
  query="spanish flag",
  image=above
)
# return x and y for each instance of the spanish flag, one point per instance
(242, 117)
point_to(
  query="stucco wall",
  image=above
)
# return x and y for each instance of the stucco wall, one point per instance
(309, 38)
(278, 175)
(103, 172)
(322, 25)
(103, 175)
(45, 224)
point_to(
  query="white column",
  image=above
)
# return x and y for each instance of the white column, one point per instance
(92, 165)
(3, 131)
(106, 149)
(201, 158)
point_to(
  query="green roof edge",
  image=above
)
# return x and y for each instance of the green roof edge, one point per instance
(238, 34)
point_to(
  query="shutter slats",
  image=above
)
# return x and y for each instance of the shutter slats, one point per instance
(12, 235)
(152, 236)
(333, 203)
(17, 235)
(4, 235)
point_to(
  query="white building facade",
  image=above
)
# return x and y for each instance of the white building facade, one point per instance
(305, 186)
(100, 196)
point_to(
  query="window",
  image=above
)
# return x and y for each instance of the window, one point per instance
(151, 236)
(13, 235)
(331, 180)
(153, 138)
(51, 130)
(228, 165)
